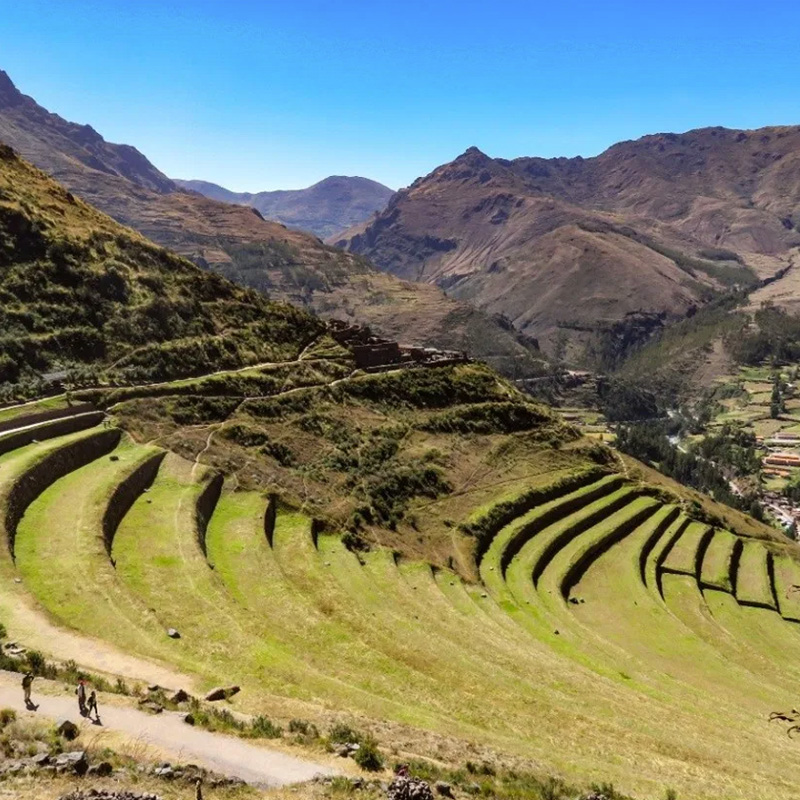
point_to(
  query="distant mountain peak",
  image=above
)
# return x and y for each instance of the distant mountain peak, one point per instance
(9, 94)
(330, 206)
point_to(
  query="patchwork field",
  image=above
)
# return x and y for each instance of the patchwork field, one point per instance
(609, 637)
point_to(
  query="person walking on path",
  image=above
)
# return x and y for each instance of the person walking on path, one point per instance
(27, 683)
(81, 692)
(92, 706)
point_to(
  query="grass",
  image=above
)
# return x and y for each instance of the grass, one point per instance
(716, 566)
(753, 584)
(683, 557)
(416, 652)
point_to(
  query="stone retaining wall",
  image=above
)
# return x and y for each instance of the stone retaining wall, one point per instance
(206, 503)
(45, 416)
(48, 470)
(13, 441)
(126, 493)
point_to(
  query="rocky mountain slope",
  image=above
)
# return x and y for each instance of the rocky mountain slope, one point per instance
(326, 208)
(237, 242)
(564, 247)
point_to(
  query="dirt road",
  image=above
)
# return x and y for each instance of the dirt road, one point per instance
(227, 755)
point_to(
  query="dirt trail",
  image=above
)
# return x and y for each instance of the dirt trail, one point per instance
(32, 628)
(227, 755)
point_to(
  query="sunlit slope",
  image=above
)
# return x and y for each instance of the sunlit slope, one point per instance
(610, 637)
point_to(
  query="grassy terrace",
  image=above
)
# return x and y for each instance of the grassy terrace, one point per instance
(716, 566)
(787, 586)
(686, 554)
(595, 608)
(753, 577)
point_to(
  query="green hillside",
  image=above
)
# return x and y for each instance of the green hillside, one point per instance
(79, 292)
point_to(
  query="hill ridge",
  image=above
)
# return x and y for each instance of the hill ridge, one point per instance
(668, 220)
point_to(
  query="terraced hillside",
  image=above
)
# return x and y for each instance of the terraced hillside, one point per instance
(606, 635)
(81, 294)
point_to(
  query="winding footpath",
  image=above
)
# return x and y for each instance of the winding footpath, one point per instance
(227, 755)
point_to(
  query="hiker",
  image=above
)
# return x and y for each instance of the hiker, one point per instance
(27, 683)
(81, 692)
(92, 706)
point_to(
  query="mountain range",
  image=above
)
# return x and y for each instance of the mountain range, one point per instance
(567, 248)
(325, 209)
(239, 243)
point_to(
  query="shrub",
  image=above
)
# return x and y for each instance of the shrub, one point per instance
(7, 716)
(368, 756)
(265, 728)
(302, 727)
(36, 662)
(344, 734)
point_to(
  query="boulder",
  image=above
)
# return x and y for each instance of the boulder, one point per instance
(173, 633)
(189, 719)
(443, 788)
(76, 762)
(179, 697)
(166, 772)
(67, 729)
(101, 770)
(222, 693)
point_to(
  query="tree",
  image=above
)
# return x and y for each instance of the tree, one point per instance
(776, 406)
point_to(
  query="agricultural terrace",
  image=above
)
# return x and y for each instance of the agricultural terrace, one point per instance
(425, 549)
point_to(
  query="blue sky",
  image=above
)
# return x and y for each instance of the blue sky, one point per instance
(267, 95)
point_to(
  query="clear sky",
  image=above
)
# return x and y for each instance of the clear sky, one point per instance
(267, 95)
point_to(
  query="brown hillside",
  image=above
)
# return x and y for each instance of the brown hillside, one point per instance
(237, 242)
(570, 245)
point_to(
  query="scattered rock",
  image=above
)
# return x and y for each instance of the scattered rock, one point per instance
(153, 687)
(189, 719)
(221, 693)
(102, 794)
(173, 634)
(179, 697)
(165, 771)
(443, 788)
(76, 762)
(405, 788)
(41, 759)
(113, 458)
(101, 770)
(67, 729)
